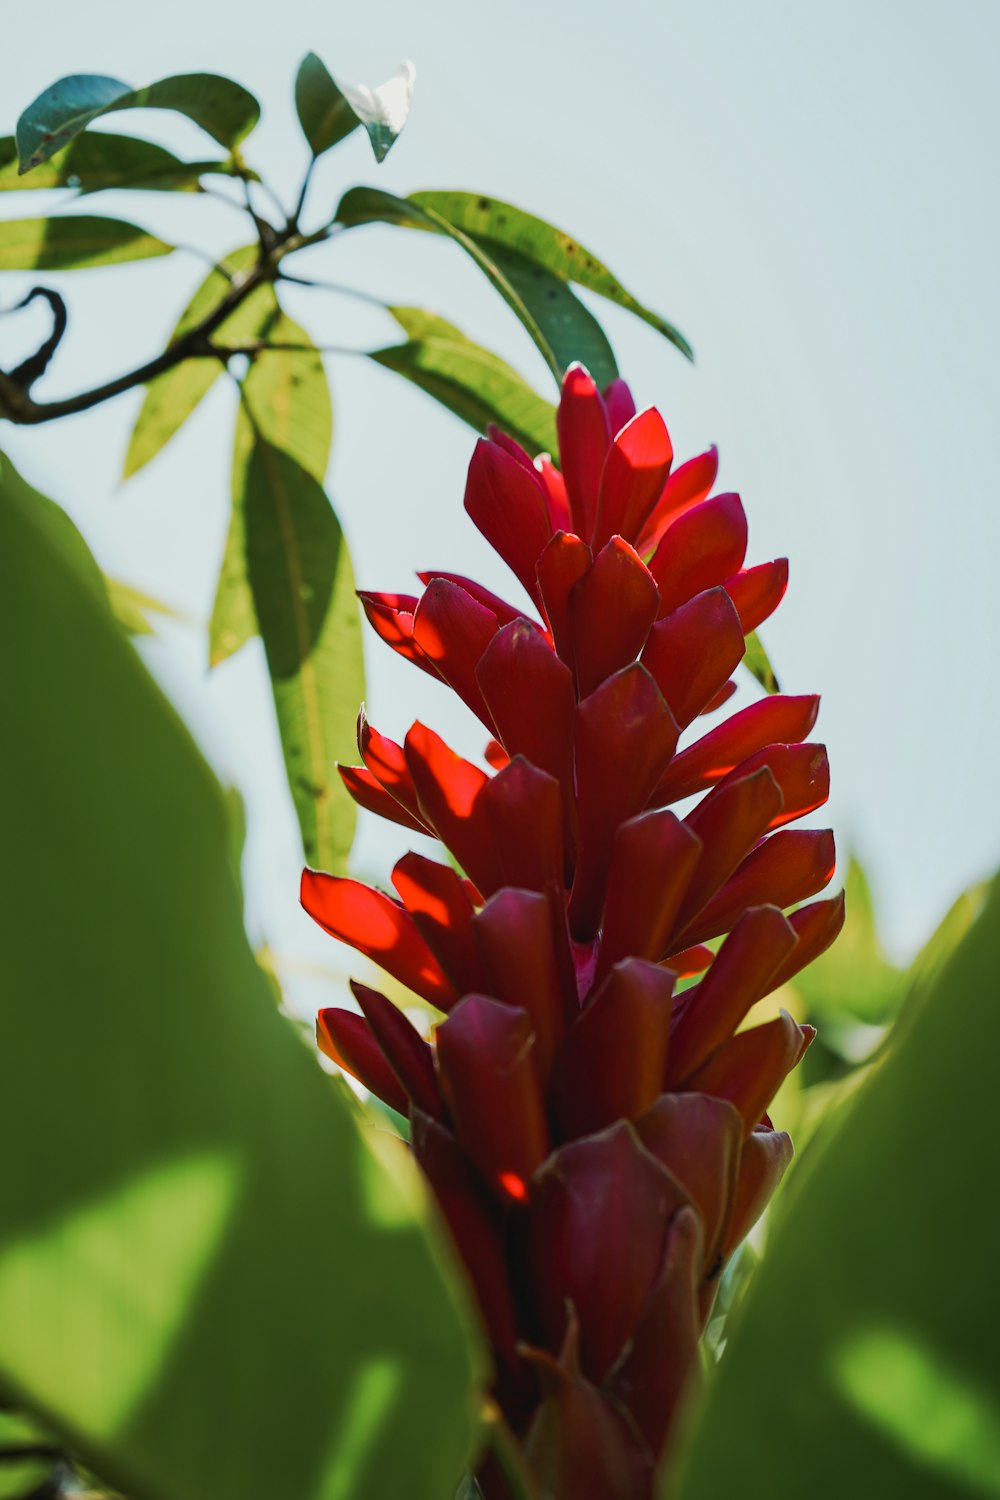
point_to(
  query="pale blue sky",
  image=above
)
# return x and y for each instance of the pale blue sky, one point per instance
(808, 190)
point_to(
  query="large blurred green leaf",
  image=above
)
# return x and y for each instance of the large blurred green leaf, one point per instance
(863, 1359)
(224, 109)
(329, 111)
(211, 1282)
(97, 161)
(469, 380)
(73, 243)
(170, 398)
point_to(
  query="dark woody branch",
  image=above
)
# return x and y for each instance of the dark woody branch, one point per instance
(18, 406)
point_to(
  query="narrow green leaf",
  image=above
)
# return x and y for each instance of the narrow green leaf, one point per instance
(224, 109)
(383, 110)
(325, 115)
(758, 663)
(132, 607)
(73, 243)
(370, 206)
(170, 398)
(307, 613)
(469, 380)
(862, 1358)
(287, 400)
(491, 222)
(94, 162)
(571, 330)
(212, 1281)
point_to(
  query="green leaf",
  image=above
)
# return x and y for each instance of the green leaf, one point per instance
(324, 113)
(329, 111)
(213, 1282)
(224, 109)
(758, 664)
(370, 206)
(171, 397)
(469, 380)
(491, 222)
(308, 616)
(94, 162)
(571, 330)
(287, 400)
(132, 607)
(862, 1360)
(73, 243)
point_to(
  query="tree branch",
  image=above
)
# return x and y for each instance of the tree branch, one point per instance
(20, 408)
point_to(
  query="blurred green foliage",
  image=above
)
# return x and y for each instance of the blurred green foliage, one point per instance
(213, 1281)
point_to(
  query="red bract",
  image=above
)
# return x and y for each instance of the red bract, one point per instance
(596, 1135)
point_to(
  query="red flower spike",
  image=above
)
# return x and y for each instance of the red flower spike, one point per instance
(529, 693)
(815, 926)
(347, 1040)
(437, 900)
(595, 1251)
(610, 612)
(522, 808)
(447, 789)
(698, 1139)
(489, 1075)
(786, 868)
(737, 979)
(555, 494)
(802, 773)
(634, 474)
(453, 631)
(757, 592)
(385, 760)
(625, 735)
(507, 503)
(373, 797)
(503, 611)
(687, 486)
(584, 440)
(619, 405)
(515, 938)
(391, 618)
(404, 1049)
(701, 549)
(766, 1157)
(649, 1386)
(475, 1223)
(507, 443)
(722, 696)
(561, 566)
(775, 720)
(611, 1064)
(596, 1229)
(751, 1066)
(379, 928)
(692, 652)
(728, 822)
(581, 1443)
(688, 962)
(495, 755)
(652, 860)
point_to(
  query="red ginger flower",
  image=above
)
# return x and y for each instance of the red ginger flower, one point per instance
(598, 1143)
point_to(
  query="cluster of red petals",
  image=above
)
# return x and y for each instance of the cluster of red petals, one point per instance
(598, 1142)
